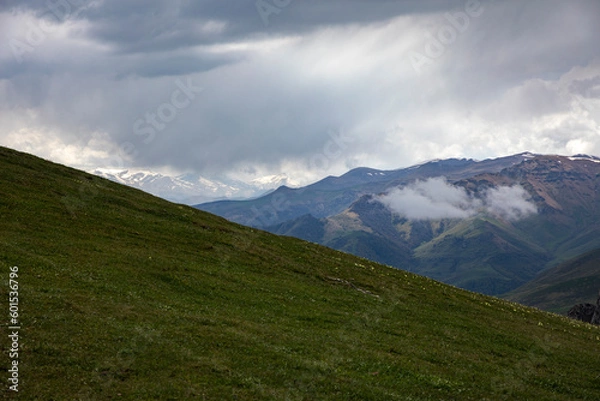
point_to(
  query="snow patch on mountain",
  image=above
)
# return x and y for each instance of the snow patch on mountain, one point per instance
(270, 182)
(585, 157)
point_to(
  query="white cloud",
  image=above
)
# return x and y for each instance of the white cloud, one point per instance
(510, 203)
(523, 76)
(435, 199)
(430, 200)
(98, 150)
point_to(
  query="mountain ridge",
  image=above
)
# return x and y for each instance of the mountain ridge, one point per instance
(332, 195)
(565, 191)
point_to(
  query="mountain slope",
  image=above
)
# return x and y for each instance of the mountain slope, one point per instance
(487, 250)
(481, 254)
(126, 296)
(333, 195)
(559, 288)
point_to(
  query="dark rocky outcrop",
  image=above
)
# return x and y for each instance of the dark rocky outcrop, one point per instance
(589, 313)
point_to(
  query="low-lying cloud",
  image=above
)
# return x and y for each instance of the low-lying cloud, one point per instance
(511, 203)
(430, 200)
(435, 199)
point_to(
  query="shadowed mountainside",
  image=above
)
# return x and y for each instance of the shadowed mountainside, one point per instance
(559, 288)
(484, 252)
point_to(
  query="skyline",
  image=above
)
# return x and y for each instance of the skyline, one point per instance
(256, 88)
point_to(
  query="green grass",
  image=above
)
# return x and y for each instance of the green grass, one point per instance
(481, 254)
(126, 296)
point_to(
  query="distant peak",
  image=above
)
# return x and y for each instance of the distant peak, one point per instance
(113, 171)
(273, 181)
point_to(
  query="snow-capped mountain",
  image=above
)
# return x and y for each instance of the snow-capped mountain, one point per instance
(271, 182)
(193, 188)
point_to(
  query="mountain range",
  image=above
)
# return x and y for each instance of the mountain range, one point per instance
(192, 188)
(487, 226)
(333, 195)
(117, 294)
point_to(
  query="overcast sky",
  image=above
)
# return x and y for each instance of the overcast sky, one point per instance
(308, 88)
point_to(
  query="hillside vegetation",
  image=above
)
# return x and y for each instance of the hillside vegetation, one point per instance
(485, 252)
(558, 289)
(126, 296)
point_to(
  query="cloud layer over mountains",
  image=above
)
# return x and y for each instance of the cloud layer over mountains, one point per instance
(435, 198)
(219, 87)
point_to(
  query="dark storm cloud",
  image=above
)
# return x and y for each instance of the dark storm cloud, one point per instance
(158, 25)
(107, 81)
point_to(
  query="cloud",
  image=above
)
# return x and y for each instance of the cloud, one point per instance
(431, 199)
(435, 199)
(510, 203)
(522, 76)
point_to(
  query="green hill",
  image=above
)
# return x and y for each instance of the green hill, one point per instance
(559, 288)
(125, 296)
(482, 254)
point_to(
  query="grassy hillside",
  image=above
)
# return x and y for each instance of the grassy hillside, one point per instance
(558, 289)
(126, 296)
(482, 254)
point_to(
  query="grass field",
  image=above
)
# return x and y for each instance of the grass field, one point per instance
(125, 296)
